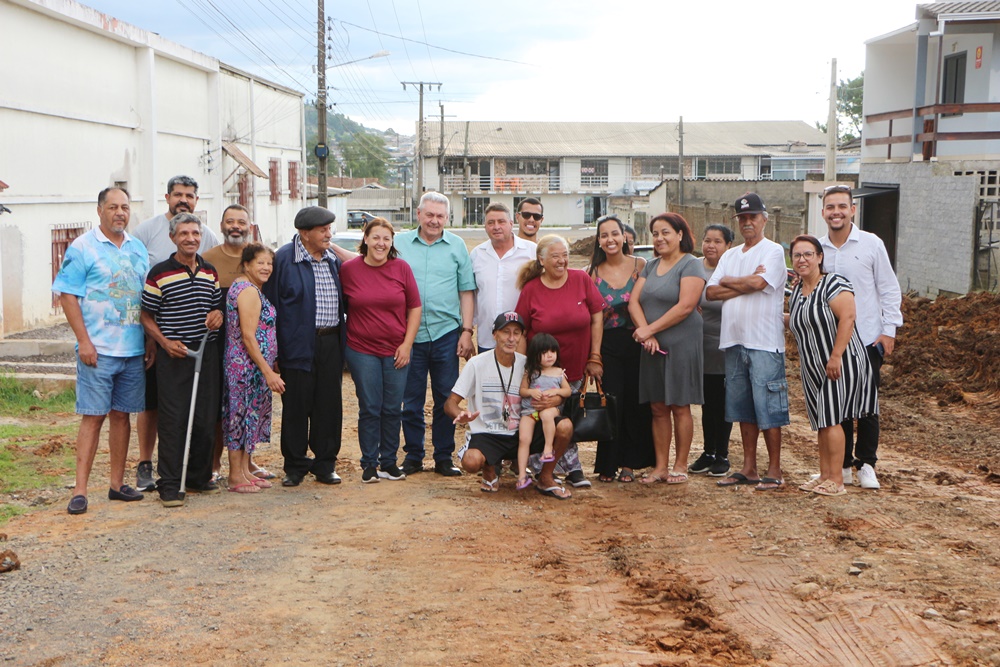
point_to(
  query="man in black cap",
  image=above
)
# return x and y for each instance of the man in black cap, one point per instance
(305, 290)
(490, 385)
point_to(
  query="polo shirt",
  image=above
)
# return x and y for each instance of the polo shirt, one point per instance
(754, 320)
(107, 280)
(864, 261)
(180, 299)
(442, 270)
(496, 283)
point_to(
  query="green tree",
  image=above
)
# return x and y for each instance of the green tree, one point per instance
(365, 156)
(850, 95)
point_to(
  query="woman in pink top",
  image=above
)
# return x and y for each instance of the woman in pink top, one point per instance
(383, 314)
(565, 303)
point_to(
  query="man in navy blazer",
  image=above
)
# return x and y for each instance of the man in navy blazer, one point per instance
(305, 290)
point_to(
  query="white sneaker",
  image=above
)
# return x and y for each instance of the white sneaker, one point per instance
(849, 476)
(867, 478)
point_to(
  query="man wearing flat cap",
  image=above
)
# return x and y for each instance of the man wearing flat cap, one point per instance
(305, 291)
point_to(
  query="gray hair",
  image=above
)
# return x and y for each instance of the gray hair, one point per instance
(184, 181)
(182, 218)
(436, 197)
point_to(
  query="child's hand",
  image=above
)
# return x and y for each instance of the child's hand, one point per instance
(537, 393)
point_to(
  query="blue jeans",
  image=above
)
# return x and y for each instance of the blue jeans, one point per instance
(756, 388)
(379, 386)
(439, 358)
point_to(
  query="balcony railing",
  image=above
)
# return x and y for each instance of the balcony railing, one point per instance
(515, 184)
(930, 136)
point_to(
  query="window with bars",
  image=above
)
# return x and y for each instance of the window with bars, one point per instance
(650, 168)
(62, 236)
(593, 173)
(274, 176)
(724, 166)
(293, 180)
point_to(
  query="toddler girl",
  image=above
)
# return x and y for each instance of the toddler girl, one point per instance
(542, 377)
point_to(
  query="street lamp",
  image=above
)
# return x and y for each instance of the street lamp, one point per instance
(322, 149)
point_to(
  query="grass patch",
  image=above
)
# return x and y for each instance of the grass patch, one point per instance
(9, 511)
(18, 399)
(33, 457)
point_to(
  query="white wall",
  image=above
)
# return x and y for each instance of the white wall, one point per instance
(890, 73)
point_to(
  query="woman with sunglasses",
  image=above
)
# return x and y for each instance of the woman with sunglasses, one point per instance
(836, 375)
(614, 272)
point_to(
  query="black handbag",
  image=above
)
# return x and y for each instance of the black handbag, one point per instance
(594, 414)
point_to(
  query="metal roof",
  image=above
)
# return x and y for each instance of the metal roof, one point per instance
(984, 9)
(518, 139)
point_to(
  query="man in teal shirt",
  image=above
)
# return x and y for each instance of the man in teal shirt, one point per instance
(441, 265)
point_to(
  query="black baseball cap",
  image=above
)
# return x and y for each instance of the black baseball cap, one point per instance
(749, 203)
(503, 319)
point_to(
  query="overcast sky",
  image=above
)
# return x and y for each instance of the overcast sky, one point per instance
(586, 60)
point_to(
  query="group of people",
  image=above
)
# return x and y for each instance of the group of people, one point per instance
(660, 336)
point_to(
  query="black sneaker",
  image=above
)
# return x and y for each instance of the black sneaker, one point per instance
(144, 477)
(719, 468)
(576, 478)
(391, 472)
(411, 467)
(125, 492)
(171, 499)
(369, 476)
(209, 489)
(446, 469)
(703, 464)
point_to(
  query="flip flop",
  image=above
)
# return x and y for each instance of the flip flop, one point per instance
(651, 479)
(829, 488)
(607, 479)
(246, 487)
(522, 484)
(738, 479)
(677, 478)
(547, 458)
(264, 473)
(555, 492)
(490, 486)
(626, 477)
(770, 484)
(262, 483)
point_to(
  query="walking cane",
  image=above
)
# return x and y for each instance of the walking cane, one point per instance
(198, 356)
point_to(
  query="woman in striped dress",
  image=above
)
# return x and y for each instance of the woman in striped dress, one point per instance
(836, 375)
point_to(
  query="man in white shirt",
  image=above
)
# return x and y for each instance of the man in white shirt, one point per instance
(861, 258)
(490, 384)
(750, 280)
(495, 264)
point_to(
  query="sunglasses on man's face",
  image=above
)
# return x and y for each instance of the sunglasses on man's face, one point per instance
(530, 216)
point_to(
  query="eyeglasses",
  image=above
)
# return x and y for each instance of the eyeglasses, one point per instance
(605, 218)
(530, 216)
(809, 254)
(833, 189)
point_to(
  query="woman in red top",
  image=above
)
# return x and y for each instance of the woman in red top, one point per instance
(383, 314)
(565, 303)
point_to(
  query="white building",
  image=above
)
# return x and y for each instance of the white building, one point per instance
(89, 101)
(930, 171)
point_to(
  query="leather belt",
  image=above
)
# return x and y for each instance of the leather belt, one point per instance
(327, 331)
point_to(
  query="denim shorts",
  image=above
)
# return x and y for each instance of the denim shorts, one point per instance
(116, 383)
(756, 387)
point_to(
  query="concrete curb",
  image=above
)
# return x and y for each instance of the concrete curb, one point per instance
(26, 347)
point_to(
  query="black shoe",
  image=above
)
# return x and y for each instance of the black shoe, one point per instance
(144, 477)
(446, 469)
(703, 464)
(576, 479)
(719, 469)
(207, 489)
(77, 505)
(291, 480)
(391, 472)
(411, 467)
(328, 478)
(125, 492)
(170, 499)
(369, 476)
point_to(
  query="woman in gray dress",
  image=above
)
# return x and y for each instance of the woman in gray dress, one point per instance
(669, 327)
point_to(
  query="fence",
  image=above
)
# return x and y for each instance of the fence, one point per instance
(780, 228)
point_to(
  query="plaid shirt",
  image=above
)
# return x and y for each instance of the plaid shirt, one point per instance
(327, 299)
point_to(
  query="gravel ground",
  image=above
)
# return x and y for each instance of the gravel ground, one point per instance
(57, 332)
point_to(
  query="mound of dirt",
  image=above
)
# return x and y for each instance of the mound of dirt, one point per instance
(949, 348)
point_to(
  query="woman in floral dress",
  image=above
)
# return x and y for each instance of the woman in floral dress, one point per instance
(249, 368)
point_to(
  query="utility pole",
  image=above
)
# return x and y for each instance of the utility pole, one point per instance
(832, 128)
(322, 150)
(680, 161)
(418, 189)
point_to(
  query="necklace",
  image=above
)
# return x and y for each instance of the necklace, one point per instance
(505, 411)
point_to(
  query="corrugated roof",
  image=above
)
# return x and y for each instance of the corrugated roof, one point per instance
(987, 9)
(554, 140)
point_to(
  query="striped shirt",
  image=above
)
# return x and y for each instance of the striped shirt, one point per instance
(327, 298)
(180, 300)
